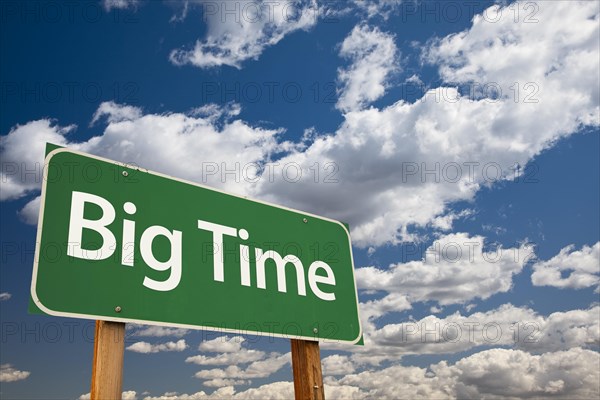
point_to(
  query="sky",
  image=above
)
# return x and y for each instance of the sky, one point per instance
(459, 141)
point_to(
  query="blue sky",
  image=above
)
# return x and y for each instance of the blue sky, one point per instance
(440, 125)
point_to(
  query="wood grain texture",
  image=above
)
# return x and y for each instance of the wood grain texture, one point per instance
(306, 364)
(107, 368)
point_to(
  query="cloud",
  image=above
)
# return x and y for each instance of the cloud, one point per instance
(501, 373)
(435, 310)
(31, 212)
(275, 390)
(119, 4)
(507, 325)
(156, 331)
(223, 344)
(145, 347)
(456, 268)
(493, 374)
(563, 330)
(224, 382)
(582, 266)
(242, 356)
(129, 395)
(373, 55)
(9, 374)
(386, 383)
(218, 394)
(497, 49)
(126, 395)
(377, 8)
(374, 309)
(215, 111)
(257, 369)
(116, 113)
(232, 354)
(4, 296)
(337, 365)
(179, 142)
(22, 152)
(234, 37)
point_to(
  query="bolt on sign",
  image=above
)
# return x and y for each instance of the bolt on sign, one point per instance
(119, 243)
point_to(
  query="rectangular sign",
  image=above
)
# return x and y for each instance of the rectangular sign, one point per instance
(124, 244)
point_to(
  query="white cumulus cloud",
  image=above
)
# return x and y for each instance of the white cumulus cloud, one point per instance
(493, 374)
(373, 55)
(242, 356)
(337, 365)
(22, 151)
(119, 4)
(222, 344)
(156, 331)
(126, 395)
(378, 8)
(242, 30)
(224, 382)
(456, 268)
(490, 374)
(197, 148)
(257, 369)
(30, 213)
(10, 374)
(582, 268)
(145, 347)
(507, 325)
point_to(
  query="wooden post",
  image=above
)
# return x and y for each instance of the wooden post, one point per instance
(306, 364)
(107, 369)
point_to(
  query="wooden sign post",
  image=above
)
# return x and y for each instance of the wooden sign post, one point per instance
(107, 367)
(306, 364)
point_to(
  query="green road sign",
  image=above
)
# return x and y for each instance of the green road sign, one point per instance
(123, 244)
